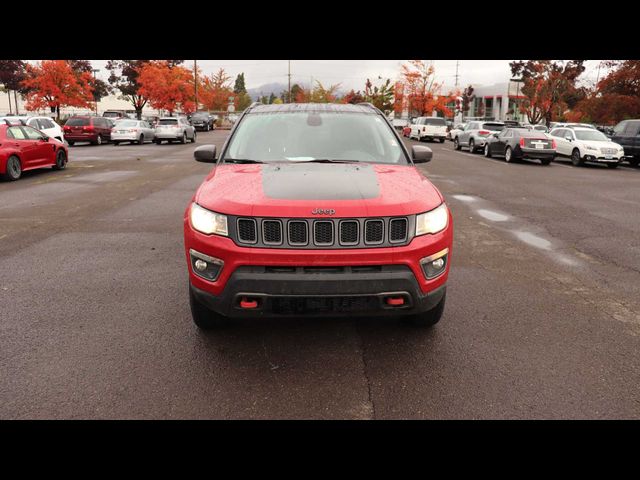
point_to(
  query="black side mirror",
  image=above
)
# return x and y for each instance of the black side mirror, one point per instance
(44, 139)
(421, 154)
(205, 154)
(495, 135)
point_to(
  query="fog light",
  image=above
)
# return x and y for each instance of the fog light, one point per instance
(434, 265)
(205, 266)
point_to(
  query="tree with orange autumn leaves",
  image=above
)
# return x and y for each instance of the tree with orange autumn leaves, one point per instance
(167, 86)
(419, 93)
(215, 90)
(55, 84)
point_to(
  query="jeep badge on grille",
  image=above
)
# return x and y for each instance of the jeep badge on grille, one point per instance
(323, 211)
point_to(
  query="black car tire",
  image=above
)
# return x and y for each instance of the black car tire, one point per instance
(204, 318)
(487, 151)
(545, 161)
(612, 165)
(442, 140)
(116, 143)
(184, 138)
(61, 160)
(193, 140)
(634, 162)
(508, 155)
(157, 142)
(70, 142)
(575, 158)
(98, 140)
(472, 146)
(428, 318)
(14, 169)
(141, 140)
(456, 144)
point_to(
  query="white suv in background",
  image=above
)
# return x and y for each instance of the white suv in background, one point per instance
(586, 145)
(46, 125)
(430, 128)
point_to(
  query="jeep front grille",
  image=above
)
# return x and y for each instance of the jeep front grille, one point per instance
(325, 233)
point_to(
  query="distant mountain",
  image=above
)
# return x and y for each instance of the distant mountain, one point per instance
(277, 88)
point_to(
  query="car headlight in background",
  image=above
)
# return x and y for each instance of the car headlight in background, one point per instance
(432, 222)
(590, 147)
(208, 222)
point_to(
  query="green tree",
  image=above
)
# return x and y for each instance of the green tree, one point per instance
(239, 86)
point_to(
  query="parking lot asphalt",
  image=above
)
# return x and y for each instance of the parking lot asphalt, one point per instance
(542, 317)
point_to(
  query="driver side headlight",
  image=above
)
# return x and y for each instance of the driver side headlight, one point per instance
(432, 222)
(208, 222)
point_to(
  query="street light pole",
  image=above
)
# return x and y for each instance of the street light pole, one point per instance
(95, 97)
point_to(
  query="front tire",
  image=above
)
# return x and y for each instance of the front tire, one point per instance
(116, 143)
(193, 140)
(14, 169)
(472, 146)
(634, 162)
(61, 160)
(204, 318)
(70, 142)
(576, 159)
(184, 138)
(442, 140)
(456, 144)
(98, 141)
(141, 140)
(429, 318)
(487, 151)
(612, 165)
(545, 161)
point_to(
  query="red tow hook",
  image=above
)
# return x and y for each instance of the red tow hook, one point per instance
(395, 301)
(246, 303)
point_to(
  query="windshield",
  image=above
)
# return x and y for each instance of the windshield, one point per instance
(127, 123)
(77, 122)
(434, 121)
(593, 135)
(111, 114)
(199, 115)
(308, 136)
(494, 127)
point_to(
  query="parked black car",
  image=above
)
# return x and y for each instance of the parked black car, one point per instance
(203, 121)
(517, 143)
(627, 134)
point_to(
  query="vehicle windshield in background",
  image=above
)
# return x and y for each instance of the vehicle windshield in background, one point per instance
(127, 123)
(111, 114)
(168, 121)
(199, 115)
(434, 121)
(593, 135)
(308, 136)
(494, 127)
(77, 122)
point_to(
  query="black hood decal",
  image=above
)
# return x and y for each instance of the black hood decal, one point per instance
(320, 181)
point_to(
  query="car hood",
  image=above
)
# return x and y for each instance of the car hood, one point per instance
(601, 143)
(295, 190)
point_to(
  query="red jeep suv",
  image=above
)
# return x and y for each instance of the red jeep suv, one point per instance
(316, 209)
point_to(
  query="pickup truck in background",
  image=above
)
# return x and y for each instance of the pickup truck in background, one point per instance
(431, 128)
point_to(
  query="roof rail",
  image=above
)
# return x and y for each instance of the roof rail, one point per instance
(367, 104)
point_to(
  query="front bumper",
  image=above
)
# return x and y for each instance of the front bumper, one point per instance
(277, 273)
(600, 158)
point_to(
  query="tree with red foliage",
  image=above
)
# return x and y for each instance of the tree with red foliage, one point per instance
(166, 86)
(55, 84)
(215, 91)
(547, 85)
(421, 92)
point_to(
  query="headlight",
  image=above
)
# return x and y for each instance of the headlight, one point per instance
(208, 222)
(432, 222)
(590, 147)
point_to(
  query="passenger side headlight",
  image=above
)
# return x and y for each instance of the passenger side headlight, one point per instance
(432, 222)
(208, 222)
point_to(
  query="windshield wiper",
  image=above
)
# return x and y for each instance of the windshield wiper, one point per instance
(240, 160)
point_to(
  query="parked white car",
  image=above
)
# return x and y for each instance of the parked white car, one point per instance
(45, 124)
(132, 131)
(586, 145)
(174, 129)
(456, 130)
(431, 128)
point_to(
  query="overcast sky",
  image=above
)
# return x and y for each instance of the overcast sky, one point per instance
(353, 73)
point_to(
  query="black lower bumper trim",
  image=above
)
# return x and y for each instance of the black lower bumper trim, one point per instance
(320, 294)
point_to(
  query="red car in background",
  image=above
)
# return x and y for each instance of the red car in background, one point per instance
(85, 128)
(406, 131)
(24, 148)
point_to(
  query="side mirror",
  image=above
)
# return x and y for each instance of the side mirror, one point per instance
(495, 135)
(421, 154)
(568, 138)
(205, 154)
(44, 139)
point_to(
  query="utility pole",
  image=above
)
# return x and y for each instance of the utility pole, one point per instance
(289, 75)
(598, 77)
(195, 81)
(95, 98)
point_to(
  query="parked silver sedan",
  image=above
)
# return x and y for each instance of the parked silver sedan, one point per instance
(175, 129)
(132, 131)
